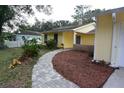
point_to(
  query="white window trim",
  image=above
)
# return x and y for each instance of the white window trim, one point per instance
(80, 39)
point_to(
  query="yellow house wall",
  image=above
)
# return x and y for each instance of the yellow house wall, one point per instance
(120, 17)
(60, 39)
(87, 39)
(103, 38)
(50, 36)
(68, 39)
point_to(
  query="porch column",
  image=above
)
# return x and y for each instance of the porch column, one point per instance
(94, 57)
(114, 43)
(74, 38)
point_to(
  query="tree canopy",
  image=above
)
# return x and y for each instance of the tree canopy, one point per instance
(84, 15)
(11, 15)
(45, 26)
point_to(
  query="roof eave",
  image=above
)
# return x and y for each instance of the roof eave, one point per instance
(111, 11)
(68, 30)
(84, 26)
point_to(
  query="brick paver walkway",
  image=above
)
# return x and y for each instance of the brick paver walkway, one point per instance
(44, 76)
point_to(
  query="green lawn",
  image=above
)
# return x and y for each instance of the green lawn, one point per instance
(20, 76)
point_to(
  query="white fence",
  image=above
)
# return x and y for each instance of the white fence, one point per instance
(12, 44)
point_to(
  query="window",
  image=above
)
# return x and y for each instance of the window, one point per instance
(78, 39)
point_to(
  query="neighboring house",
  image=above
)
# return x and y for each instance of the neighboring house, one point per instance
(70, 36)
(109, 37)
(29, 35)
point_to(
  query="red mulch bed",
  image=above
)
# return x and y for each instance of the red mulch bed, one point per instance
(77, 67)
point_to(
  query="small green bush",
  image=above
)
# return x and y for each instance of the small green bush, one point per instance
(51, 44)
(30, 48)
(40, 46)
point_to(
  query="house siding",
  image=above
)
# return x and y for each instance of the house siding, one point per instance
(68, 39)
(120, 17)
(87, 39)
(103, 38)
(60, 39)
(50, 36)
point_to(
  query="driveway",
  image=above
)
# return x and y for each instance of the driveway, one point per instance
(116, 80)
(44, 76)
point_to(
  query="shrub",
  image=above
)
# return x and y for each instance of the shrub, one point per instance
(30, 48)
(40, 46)
(51, 44)
(9, 36)
(62, 45)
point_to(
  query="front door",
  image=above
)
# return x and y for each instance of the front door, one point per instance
(56, 39)
(121, 46)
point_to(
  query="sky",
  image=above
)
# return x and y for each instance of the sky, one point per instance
(63, 9)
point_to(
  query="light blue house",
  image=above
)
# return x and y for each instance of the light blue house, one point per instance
(29, 35)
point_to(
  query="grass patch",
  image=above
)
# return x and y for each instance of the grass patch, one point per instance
(20, 76)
